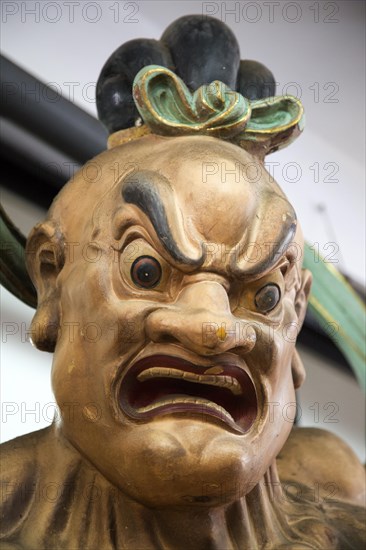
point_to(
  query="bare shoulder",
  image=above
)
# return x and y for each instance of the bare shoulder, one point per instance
(20, 453)
(19, 474)
(323, 462)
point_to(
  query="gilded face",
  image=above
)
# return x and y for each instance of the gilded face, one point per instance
(179, 301)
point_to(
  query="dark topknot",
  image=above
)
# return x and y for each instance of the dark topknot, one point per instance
(197, 48)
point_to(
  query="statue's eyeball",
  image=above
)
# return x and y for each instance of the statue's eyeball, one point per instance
(267, 298)
(146, 272)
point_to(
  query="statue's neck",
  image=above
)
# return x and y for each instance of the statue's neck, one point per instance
(257, 520)
(251, 522)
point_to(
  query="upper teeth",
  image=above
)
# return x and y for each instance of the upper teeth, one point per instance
(222, 381)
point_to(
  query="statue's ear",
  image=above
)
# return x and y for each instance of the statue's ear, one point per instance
(45, 259)
(302, 296)
(301, 300)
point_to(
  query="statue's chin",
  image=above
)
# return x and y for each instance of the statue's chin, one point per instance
(174, 461)
(180, 462)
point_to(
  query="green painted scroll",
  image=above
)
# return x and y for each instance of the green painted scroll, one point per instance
(339, 311)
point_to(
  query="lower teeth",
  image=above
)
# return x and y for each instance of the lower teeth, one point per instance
(205, 405)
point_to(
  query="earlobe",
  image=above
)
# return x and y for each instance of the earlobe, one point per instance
(45, 260)
(45, 325)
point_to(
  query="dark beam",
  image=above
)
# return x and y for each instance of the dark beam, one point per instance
(37, 108)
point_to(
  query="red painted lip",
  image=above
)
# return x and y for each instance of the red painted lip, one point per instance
(143, 396)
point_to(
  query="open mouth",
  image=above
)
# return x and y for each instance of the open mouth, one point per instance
(162, 384)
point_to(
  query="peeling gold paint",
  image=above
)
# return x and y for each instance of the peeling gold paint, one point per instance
(221, 333)
(71, 367)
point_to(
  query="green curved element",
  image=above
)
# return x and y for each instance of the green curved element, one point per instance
(13, 272)
(168, 108)
(275, 113)
(339, 311)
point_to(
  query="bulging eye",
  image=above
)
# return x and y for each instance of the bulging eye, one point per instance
(146, 272)
(267, 298)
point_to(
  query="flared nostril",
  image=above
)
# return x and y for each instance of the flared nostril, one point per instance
(192, 330)
(166, 338)
(200, 320)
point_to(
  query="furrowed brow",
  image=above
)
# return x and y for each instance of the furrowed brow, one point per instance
(144, 189)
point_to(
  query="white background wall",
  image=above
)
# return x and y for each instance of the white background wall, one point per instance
(316, 51)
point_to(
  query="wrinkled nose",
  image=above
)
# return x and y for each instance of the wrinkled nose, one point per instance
(201, 320)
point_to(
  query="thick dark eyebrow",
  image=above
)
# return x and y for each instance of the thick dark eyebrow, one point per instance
(275, 225)
(280, 247)
(142, 190)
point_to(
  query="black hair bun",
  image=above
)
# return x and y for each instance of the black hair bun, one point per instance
(255, 81)
(115, 105)
(197, 48)
(203, 50)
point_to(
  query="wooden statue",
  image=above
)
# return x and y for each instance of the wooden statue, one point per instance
(171, 290)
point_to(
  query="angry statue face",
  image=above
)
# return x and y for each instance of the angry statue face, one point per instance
(170, 287)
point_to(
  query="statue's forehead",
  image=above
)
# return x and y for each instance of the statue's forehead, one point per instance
(212, 212)
(209, 179)
(216, 186)
(193, 191)
(187, 229)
